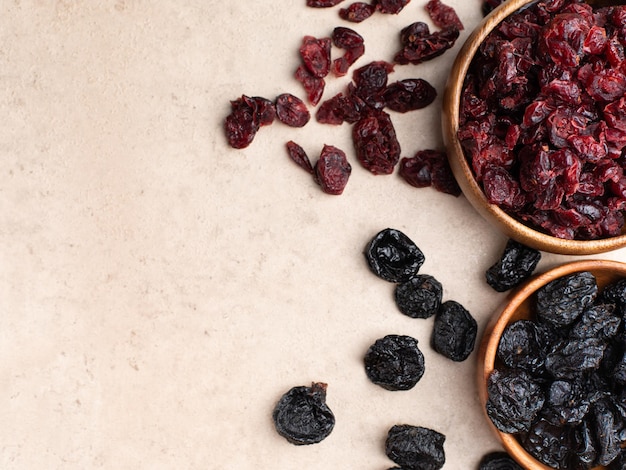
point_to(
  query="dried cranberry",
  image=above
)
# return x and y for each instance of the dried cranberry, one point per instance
(357, 12)
(391, 6)
(429, 168)
(332, 170)
(313, 85)
(418, 48)
(322, 3)
(299, 156)
(315, 55)
(409, 94)
(443, 15)
(353, 44)
(370, 82)
(244, 120)
(291, 110)
(376, 143)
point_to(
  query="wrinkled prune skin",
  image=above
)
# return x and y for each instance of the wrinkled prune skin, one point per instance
(419, 297)
(561, 301)
(523, 346)
(454, 331)
(415, 447)
(597, 321)
(515, 398)
(498, 461)
(615, 293)
(567, 403)
(608, 426)
(572, 357)
(516, 264)
(302, 416)
(393, 256)
(394, 362)
(549, 444)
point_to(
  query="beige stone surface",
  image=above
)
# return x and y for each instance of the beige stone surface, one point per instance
(159, 290)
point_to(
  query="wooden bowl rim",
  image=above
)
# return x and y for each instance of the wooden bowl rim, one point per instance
(511, 227)
(499, 321)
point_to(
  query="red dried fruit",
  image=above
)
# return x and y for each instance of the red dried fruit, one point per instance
(419, 45)
(246, 116)
(291, 110)
(353, 44)
(313, 86)
(315, 54)
(370, 82)
(299, 156)
(339, 109)
(443, 16)
(357, 12)
(429, 168)
(392, 7)
(376, 144)
(408, 95)
(322, 3)
(332, 170)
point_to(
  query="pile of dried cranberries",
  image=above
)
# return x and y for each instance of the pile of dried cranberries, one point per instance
(543, 118)
(365, 104)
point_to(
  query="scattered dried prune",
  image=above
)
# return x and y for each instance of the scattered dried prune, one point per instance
(523, 346)
(376, 144)
(443, 15)
(409, 94)
(302, 416)
(561, 301)
(393, 256)
(291, 110)
(429, 168)
(516, 264)
(415, 447)
(419, 297)
(299, 156)
(454, 331)
(515, 398)
(357, 12)
(498, 461)
(394, 362)
(332, 170)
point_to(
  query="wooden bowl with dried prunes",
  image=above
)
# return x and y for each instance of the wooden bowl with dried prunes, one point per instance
(552, 368)
(534, 122)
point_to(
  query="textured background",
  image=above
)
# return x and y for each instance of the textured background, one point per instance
(159, 290)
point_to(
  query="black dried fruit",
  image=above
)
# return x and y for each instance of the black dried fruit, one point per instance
(415, 447)
(393, 256)
(561, 301)
(498, 461)
(570, 358)
(514, 400)
(549, 444)
(522, 345)
(454, 331)
(567, 402)
(301, 415)
(419, 297)
(516, 264)
(394, 362)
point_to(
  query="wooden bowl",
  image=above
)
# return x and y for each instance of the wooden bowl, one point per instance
(511, 227)
(519, 305)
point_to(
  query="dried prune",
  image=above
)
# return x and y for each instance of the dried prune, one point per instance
(549, 444)
(515, 398)
(561, 301)
(415, 447)
(393, 256)
(419, 297)
(597, 321)
(357, 12)
(498, 461)
(394, 362)
(567, 402)
(299, 156)
(429, 168)
(376, 144)
(443, 15)
(454, 331)
(572, 357)
(516, 264)
(291, 110)
(409, 94)
(332, 170)
(523, 345)
(302, 416)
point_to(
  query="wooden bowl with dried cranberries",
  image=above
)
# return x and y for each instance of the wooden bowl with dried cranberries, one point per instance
(534, 122)
(552, 368)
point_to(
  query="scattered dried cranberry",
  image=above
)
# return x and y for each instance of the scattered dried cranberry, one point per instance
(409, 94)
(291, 110)
(354, 46)
(357, 12)
(419, 45)
(246, 116)
(299, 156)
(315, 55)
(332, 170)
(322, 3)
(516, 264)
(443, 16)
(313, 85)
(376, 143)
(392, 7)
(429, 168)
